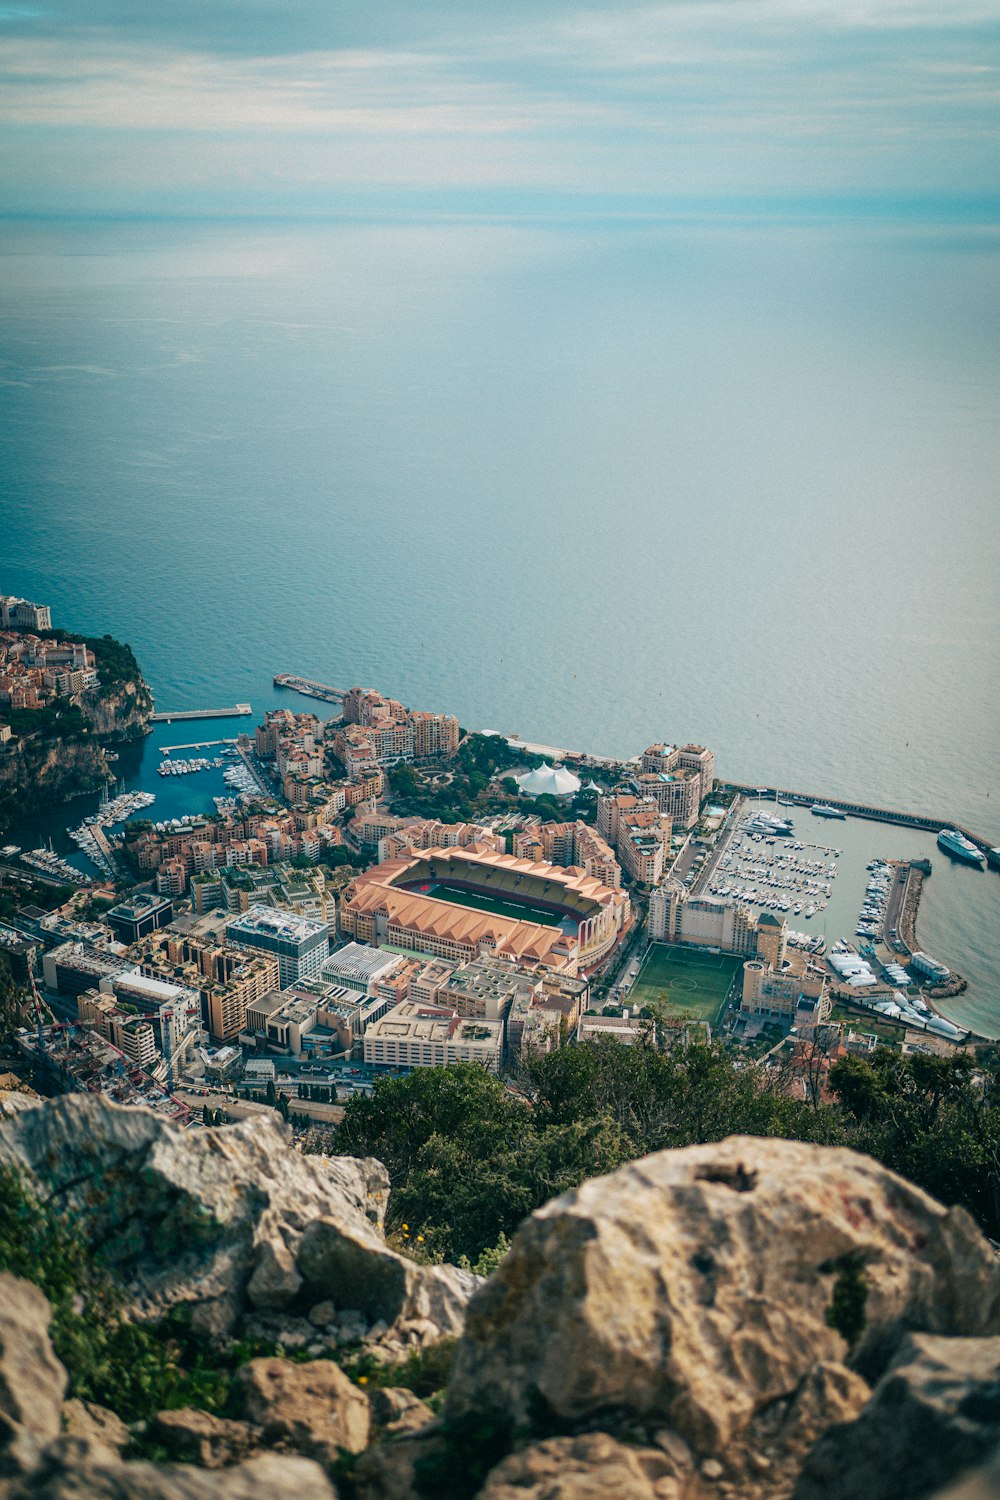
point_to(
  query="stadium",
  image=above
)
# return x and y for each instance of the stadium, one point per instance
(466, 903)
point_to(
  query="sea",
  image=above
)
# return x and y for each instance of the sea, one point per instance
(595, 482)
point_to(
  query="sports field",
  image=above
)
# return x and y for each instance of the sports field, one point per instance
(479, 901)
(694, 983)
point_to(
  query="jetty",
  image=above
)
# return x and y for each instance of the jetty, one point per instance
(310, 689)
(196, 745)
(239, 711)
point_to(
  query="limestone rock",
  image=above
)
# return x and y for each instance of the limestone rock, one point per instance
(388, 1469)
(323, 1314)
(72, 1469)
(590, 1467)
(335, 1254)
(198, 1437)
(396, 1410)
(85, 1419)
(934, 1413)
(691, 1289)
(32, 1381)
(312, 1407)
(982, 1483)
(215, 1220)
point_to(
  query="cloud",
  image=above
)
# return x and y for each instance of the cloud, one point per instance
(695, 96)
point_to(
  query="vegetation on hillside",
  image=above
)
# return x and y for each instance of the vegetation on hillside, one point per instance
(12, 1001)
(467, 790)
(468, 1159)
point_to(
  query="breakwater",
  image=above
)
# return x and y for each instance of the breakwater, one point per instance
(310, 689)
(862, 810)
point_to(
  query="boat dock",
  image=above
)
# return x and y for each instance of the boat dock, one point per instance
(310, 689)
(240, 711)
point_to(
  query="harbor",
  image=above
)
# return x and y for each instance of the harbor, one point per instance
(875, 881)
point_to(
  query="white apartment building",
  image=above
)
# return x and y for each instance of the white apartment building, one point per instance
(421, 1036)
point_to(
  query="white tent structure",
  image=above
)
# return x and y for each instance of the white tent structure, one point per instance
(552, 781)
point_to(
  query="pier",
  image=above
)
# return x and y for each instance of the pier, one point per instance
(200, 745)
(240, 711)
(310, 689)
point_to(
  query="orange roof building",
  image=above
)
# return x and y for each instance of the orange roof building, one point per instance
(396, 903)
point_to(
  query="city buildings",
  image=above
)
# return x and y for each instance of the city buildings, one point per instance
(569, 844)
(640, 833)
(35, 671)
(140, 915)
(779, 994)
(380, 732)
(306, 1018)
(20, 614)
(418, 1036)
(361, 969)
(677, 917)
(300, 944)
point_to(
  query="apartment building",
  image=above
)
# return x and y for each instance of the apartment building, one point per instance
(300, 944)
(418, 1036)
(677, 917)
(778, 995)
(486, 988)
(676, 793)
(138, 916)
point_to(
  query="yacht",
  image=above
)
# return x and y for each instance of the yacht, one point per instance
(956, 844)
(824, 810)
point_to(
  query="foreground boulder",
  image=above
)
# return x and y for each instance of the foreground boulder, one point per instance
(71, 1469)
(590, 1467)
(934, 1413)
(310, 1407)
(32, 1381)
(704, 1290)
(214, 1220)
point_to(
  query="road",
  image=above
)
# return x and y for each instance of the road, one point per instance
(894, 904)
(722, 838)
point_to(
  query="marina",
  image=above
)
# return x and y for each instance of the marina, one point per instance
(189, 767)
(51, 864)
(90, 838)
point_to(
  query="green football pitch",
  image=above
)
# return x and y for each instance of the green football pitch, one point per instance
(481, 901)
(694, 983)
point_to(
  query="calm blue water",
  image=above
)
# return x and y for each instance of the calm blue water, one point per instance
(595, 485)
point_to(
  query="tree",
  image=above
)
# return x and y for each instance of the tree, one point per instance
(283, 1106)
(13, 998)
(271, 1093)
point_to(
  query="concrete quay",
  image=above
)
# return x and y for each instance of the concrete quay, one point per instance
(239, 711)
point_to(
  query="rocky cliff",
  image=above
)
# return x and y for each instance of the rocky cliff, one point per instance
(36, 773)
(756, 1319)
(60, 752)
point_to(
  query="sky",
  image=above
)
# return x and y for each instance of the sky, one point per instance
(319, 107)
